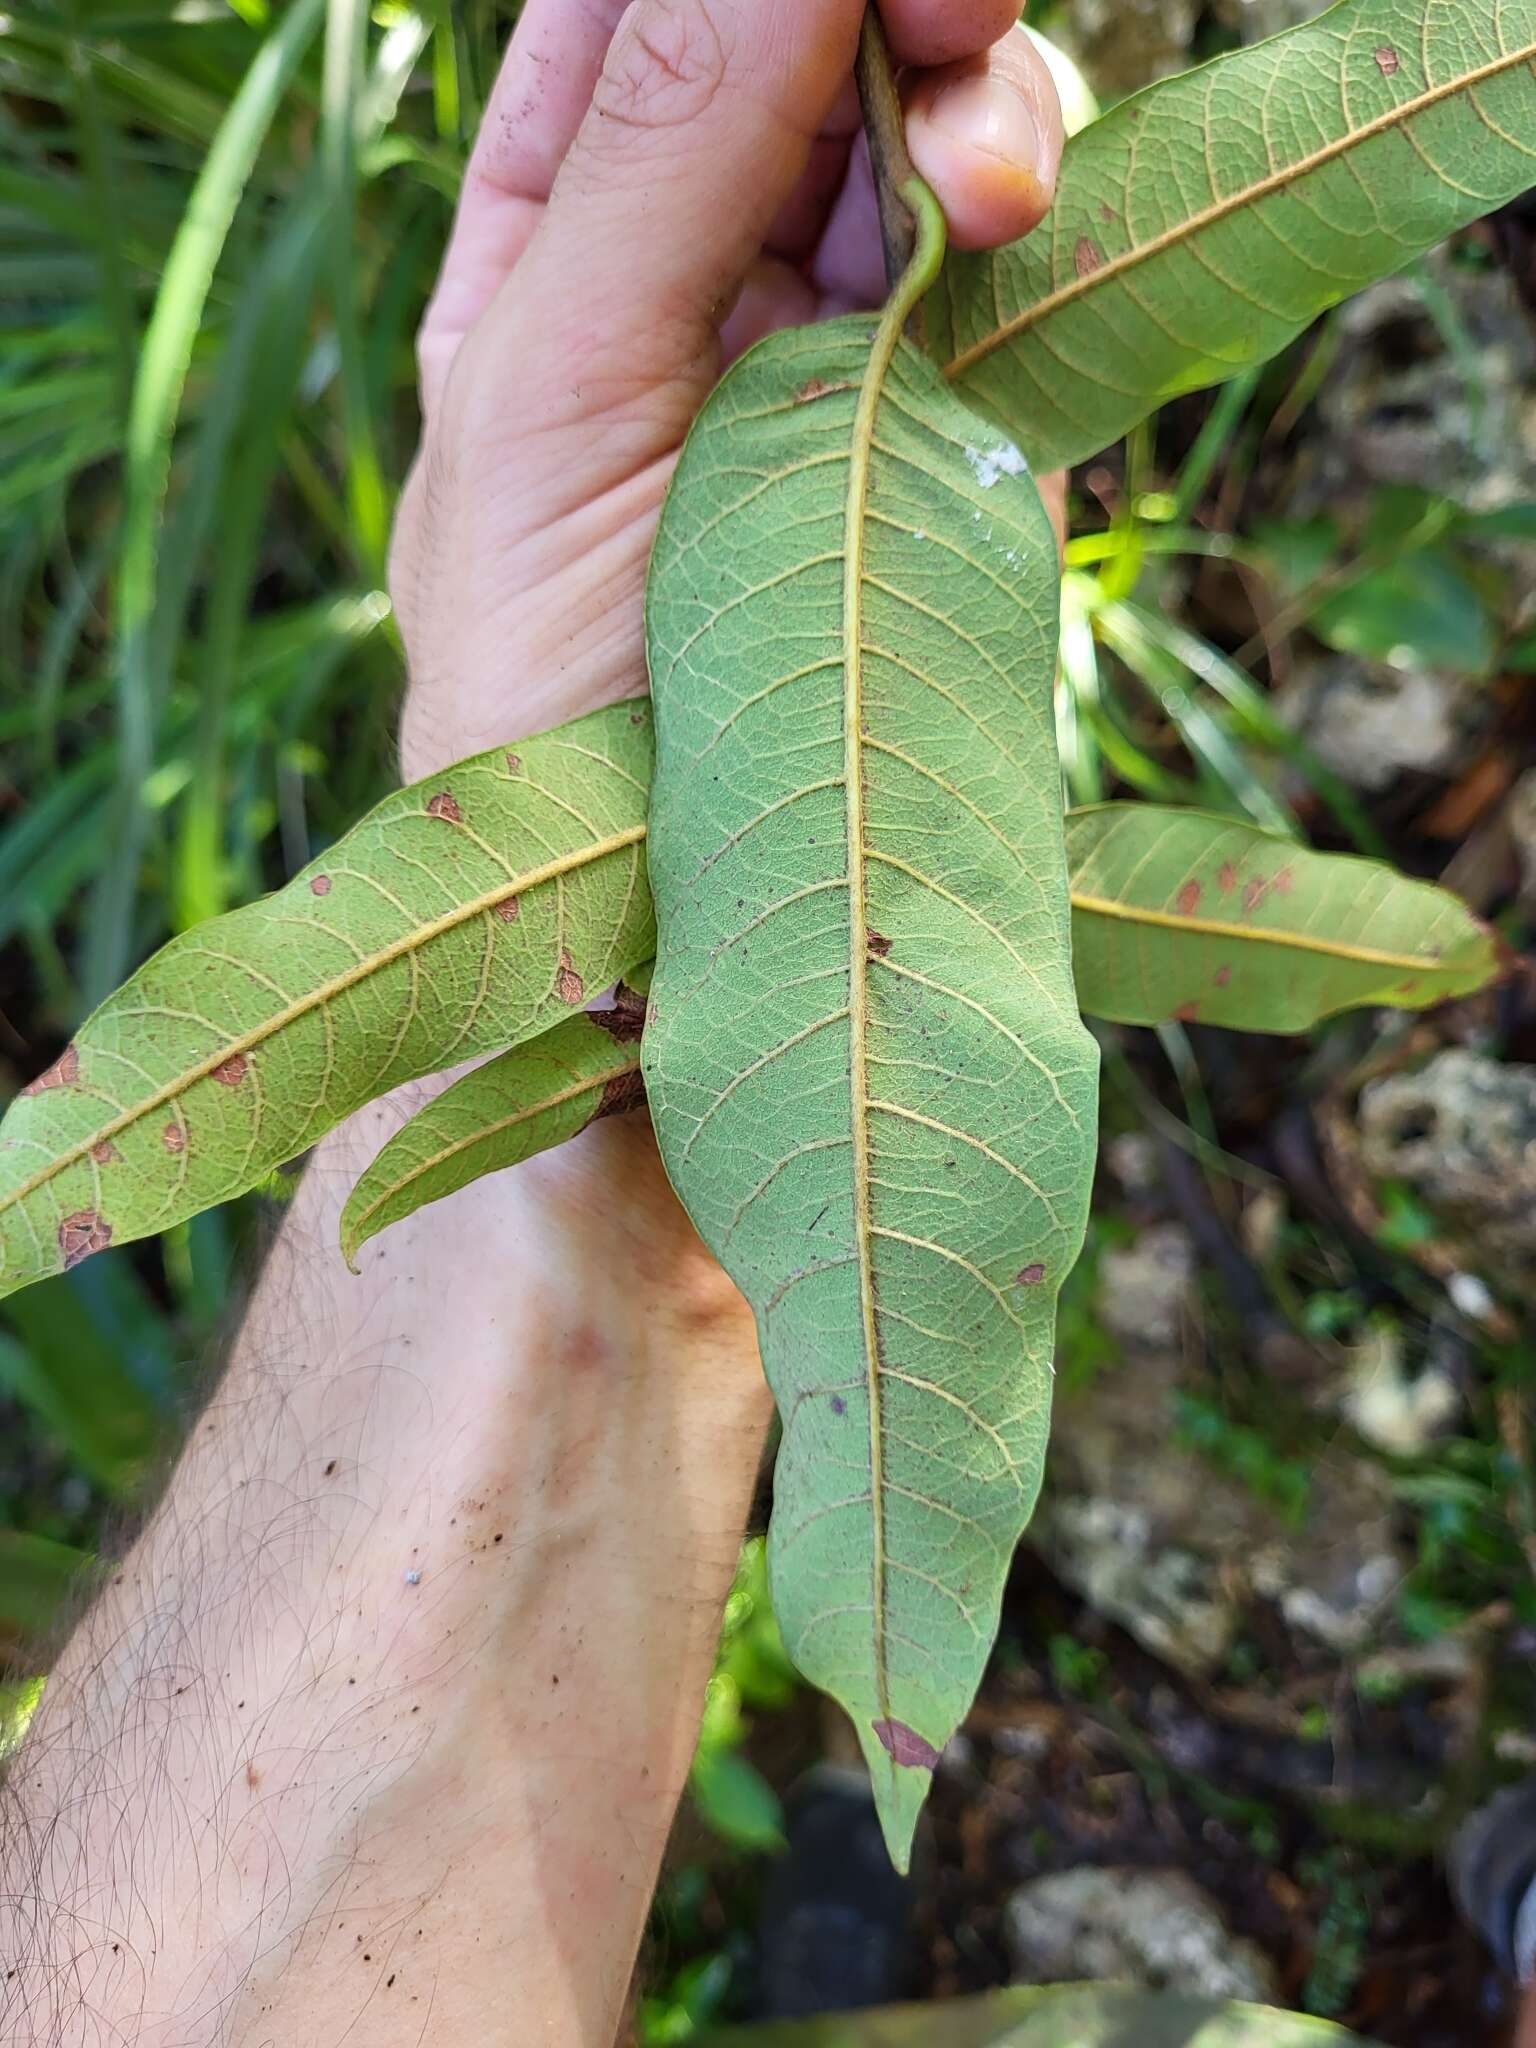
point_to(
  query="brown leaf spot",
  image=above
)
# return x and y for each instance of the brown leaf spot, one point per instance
(1224, 974)
(319, 885)
(174, 1136)
(507, 909)
(1226, 881)
(879, 945)
(1186, 1013)
(839, 1405)
(621, 1094)
(104, 1153)
(1388, 62)
(1107, 213)
(445, 805)
(1031, 1276)
(1087, 257)
(514, 764)
(905, 1745)
(1285, 882)
(637, 718)
(818, 387)
(569, 986)
(233, 1070)
(1406, 988)
(624, 1022)
(81, 1234)
(1189, 899)
(1254, 892)
(64, 1072)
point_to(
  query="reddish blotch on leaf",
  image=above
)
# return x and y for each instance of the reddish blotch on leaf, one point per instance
(445, 805)
(905, 1745)
(569, 986)
(231, 1072)
(82, 1234)
(62, 1074)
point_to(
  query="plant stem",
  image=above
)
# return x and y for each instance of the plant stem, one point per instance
(886, 131)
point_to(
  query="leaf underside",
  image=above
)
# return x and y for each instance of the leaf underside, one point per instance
(1177, 914)
(522, 1102)
(1202, 225)
(462, 915)
(868, 1076)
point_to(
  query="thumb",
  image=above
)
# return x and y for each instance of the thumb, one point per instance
(699, 129)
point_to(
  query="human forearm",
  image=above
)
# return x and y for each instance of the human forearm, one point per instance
(391, 1705)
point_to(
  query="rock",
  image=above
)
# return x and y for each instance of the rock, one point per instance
(1394, 1409)
(1156, 1538)
(1254, 20)
(1397, 407)
(1144, 1288)
(1369, 721)
(1122, 45)
(1151, 1927)
(1462, 1133)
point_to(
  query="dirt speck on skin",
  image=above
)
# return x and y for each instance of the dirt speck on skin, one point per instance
(64, 1072)
(81, 1235)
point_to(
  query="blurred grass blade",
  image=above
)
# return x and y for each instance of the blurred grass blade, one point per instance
(462, 915)
(162, 371)
(1182, 915)
(80, 1376)
(38, 1581)
(1201, 225)
(526, 1100)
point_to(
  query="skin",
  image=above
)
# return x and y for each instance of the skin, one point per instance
(377, 1732)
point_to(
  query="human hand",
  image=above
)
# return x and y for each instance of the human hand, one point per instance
(652, 190)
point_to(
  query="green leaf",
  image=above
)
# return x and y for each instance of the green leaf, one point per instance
(1055, 2016)
(736, 1801)
(1180, 914)
(38, 1578)
(869, 1080)
(463, 914)
(1200, 226)
(520, 1103)
(1422, 609)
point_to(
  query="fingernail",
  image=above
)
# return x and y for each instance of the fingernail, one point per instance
(989, 114)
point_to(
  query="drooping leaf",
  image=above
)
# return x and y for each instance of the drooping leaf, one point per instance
(1179, 914)
(869, 1080)
(522, 1102)
(1203, 224)
(1054, 2016)
(462, 915)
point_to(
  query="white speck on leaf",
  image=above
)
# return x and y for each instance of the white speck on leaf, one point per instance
(989, 464)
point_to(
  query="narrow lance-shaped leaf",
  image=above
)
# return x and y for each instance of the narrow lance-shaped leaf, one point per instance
(1179, 914)
(1202, 225)
(522, 1102)
(865, 1064)
(461, 915)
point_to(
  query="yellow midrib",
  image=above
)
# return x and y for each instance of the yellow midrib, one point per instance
(1249, 934)
(919, 275)
(1222, 209)
(302, 1006)
(484, 1132)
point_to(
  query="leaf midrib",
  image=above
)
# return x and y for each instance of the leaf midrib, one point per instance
(1247, 934)
(1222, 209)
(375, 963)
(482, 1133)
